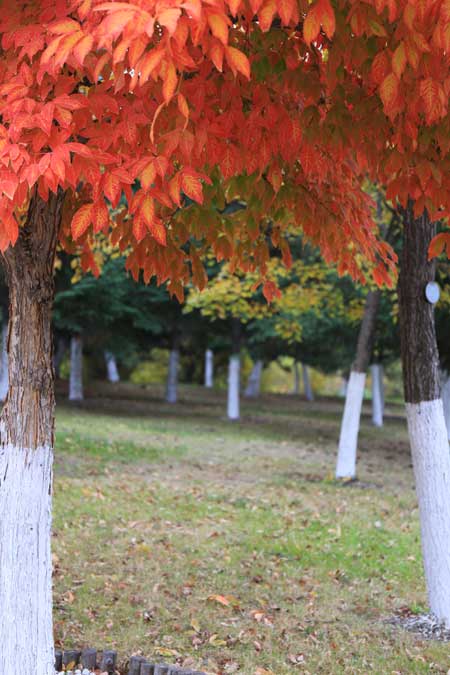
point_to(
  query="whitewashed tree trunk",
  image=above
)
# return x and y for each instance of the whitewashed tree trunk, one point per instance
(112, 371)
(376, 370)
(431, 461)
(424, 410)
(26, 456)
(296, 389)
(348, 440)
(4, 377)
(209, 369)
(253, 388)
(76, 369)
(172, 376)
(446, 401)
(307, 388)
(234, 368)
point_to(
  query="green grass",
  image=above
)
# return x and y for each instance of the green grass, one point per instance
(164, 513)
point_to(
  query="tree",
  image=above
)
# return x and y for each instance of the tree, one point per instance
(99, 96)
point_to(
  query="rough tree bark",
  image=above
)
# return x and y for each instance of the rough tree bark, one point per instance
(234, 368)
(26, 449)
(348, 440)
(253, 388)
(424, 410)
(376, 370)
(76, 368)
(4, 375)
(112, 372)
(307, 388)
(209, 369)
(172, 371)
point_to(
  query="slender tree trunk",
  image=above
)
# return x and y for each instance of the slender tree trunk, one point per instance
(26, 449)
(76, 368)
(296, 389)
(307, 388)
(58, 356)
(172, 372)
(424, 410)
(376, 370)
(234, 368)
(446, 400)
(209, 369)
(348, 440)
(4, 375)
(253, 388)
(112, 371)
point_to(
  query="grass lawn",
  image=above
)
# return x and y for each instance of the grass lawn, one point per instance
(227, 546)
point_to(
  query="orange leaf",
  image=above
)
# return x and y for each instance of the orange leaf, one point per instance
(237, 61)
(191, 186)
(148, 210)
(170, 81)
(438, 244)
(158, 231)
(286, 9)
(81, 221)
(219, 26)
(389, 91)
(311, 26)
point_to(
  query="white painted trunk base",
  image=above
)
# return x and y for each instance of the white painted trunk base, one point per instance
(253, 388)
(446, 402)
(376, 370)
(307, 388)
(76, 369)
(348, 440)
(209, 369)
(234, 368)
(26, 644)
(4, 375)
(431, 461)
(172, 377)
(111, 367)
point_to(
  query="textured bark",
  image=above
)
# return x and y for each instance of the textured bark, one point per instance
(253, 388)
(209, 369)
(112, 372)
(366, 332)
(307, 388)
(376, 370)
(4, 375)
(76, 369)
(26, 454)
(424, 410)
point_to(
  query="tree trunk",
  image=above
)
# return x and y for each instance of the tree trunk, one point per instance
(377, 394)
(58, 356)
(112, 371)
(307, 389)
(172, 371)
(424, 409)
(26, 449)
(253, 388)
(76, 368)
(4, 376)
(296, 389)
(446, 401)
(348, 440)
(234, 368)
(209, 369)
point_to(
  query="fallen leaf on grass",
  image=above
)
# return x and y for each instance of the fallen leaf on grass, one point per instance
(225, 600)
